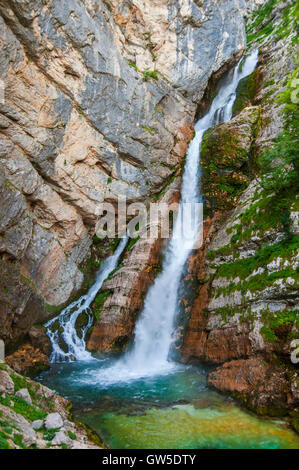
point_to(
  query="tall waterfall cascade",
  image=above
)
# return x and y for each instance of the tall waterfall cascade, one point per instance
(149, 354)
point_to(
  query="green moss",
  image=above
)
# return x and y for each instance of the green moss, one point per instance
(150, 130)
(222, 157)
(4, 436)
(82, 320)
(263, 12)
(149, 73)
(49, 434)
(161, 193)
(246, 91)
(261, 25)
(53, 308)
(90, 266)
(132, 243)
(288, 22)
(256, 283)
(18, 440)
(20, 406)
(294, 415)
(131, 64)
(242, 268)
(269, 334)
(98, 303)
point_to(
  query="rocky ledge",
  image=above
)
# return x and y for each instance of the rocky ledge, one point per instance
(34, 417)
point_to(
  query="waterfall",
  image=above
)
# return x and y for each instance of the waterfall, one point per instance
(66, 321)
(154, 329)
(149, 354)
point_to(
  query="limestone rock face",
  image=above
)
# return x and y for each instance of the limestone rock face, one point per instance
(174, 37)
(257, 384)
(99, 102)
(245, 314)
(24, 394)
(28, 360)
(61, 438)
(238, 376)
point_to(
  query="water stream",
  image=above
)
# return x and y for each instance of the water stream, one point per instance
(67, 330)
(144, 399)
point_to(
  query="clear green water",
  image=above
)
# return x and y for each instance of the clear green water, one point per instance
(171, 411)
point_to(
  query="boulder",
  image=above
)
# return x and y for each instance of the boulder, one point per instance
(6, 383)
(53, 421)
(61, 438)
(24, 394)
(37, 424)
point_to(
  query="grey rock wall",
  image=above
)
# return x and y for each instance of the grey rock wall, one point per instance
(85, 120)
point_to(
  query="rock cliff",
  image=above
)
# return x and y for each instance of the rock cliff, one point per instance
(99, 102)
(250, 316)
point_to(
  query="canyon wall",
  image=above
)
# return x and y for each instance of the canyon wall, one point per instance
(99, 102)
(245, 316)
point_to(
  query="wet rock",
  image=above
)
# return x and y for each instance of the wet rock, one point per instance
(28, 360)
(40, 340)
(238, 376)
(261, 386)
(246, 318)
(127, 288)
(226, 149)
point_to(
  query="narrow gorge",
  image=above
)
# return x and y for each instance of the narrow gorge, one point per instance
(156, 343)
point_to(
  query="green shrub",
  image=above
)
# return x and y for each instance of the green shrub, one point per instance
(49, 434)
(149, 73)
(72, 435)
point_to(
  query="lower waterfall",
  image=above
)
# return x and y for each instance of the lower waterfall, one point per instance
(66, 328)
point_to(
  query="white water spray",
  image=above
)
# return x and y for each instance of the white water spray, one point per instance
(154, 329)
(66, 329)
(149, 354)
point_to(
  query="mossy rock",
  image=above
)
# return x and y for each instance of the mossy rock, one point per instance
(246, 91)
(294, 415)
(82, 320)
(99, 301)
(225, 160)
